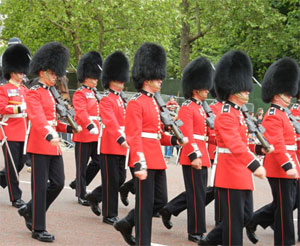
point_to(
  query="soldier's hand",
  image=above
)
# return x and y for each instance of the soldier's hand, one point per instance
(125, 145)
(260, 172)
(94, 131)
(185, 141)
(292, 173)
(55, 141)
(270, 150)
(197, 163)
(79, 129)
(141, 175)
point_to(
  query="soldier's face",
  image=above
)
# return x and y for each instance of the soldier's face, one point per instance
(155, 84)
(17, 77)
(242, 97)
(49, 77)
(90, 82)
(202, 94)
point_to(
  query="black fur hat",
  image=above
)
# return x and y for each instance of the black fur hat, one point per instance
(115, 68)
(233, 74)
(197, 75)
(149, 63)
(89, 66)
(16, 58)
(52, 56)
(281, 77)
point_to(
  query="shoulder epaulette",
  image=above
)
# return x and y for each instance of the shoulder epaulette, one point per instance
(186, 103)
(226, 108)
(296, 106)
(35, 87)
(80, 88)
(105, 94)
(272, 111)
(136, 96)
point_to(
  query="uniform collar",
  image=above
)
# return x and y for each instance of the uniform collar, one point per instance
(196, 101)
(148, 94)
(87, 87)
(14, 83)
(234, 105)
(114, 92)
(277, 106)
(43, 85)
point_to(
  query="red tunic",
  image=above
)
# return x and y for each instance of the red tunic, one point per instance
(280, 133)
(86, 106)
(11, 96)
(112, 111)
(142, 116)
(233, 169)
(194, 126)
(42, 115)
(216, 109)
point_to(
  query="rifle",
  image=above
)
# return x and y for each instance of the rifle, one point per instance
(294, 120)
(62, 110)
(166, 118)
(124, 98)
(210, 120)
(254, 128)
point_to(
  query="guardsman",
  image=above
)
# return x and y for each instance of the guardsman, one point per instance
(113, 143)
(144, 134)
(47, 175)
(86, 104)
(196, 83)
(233, 83)
(280, 83)
(16, 60)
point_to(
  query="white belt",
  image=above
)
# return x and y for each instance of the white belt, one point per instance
(291, 147)
(122, 128)
(98, 118)
(223, 150)
(200, 137)
(151, 135)
(52, 122)
(7, 116)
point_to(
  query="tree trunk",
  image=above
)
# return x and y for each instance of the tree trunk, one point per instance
(185, 34)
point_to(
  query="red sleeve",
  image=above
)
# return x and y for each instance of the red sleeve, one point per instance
(80, 107)
(5, 108)
(109, 118)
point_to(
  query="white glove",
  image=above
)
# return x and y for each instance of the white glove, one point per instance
(94, 131)
(23, 106)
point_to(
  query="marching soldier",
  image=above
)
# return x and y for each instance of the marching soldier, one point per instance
(113, 143)
(16, 60)
(233, 83)
(87, 115)
(43, 147)
(279, 85)
(194, 158)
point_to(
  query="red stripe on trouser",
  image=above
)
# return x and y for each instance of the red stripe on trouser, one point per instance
(229, 218)
(195, 202)
(281, 217)
(79, 173)
(140, 211)
(33, 191)
(106, 184)
(8, 174)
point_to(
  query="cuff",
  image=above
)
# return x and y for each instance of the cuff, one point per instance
(287, 166)
(254, 165)
(258, 150)
(174, 141)
(90, 126)
(121, 140)
(49, 137)
(69, 129)
(193, 156)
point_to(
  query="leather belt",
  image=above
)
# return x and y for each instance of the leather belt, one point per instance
(151, 135)
(200, 137)
(223, 150)
(291, 147)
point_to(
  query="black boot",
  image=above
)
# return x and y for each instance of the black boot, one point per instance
(94, 205)
(125, 228)
(124, 194)
(26, 213)
(73, 185)
(250, 231)
(3, 179)
(166, 217)
(206, 241)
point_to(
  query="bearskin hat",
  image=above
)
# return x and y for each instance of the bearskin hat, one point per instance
(197, 75)
(52, 56)
(233, 74)
(115, 68)
(16, 58)
(281, 77)
(89, 66)
(149, 63)
(13, 41)
(212, 92)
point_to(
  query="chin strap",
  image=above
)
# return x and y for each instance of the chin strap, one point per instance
(116, 84)
(239, 95)
(284, 98)
(151, 84)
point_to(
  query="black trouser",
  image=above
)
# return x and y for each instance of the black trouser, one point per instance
(16, 149)
(47, 181)
(83, 152)
(113, 175)
(237, 209)
(151, 196)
